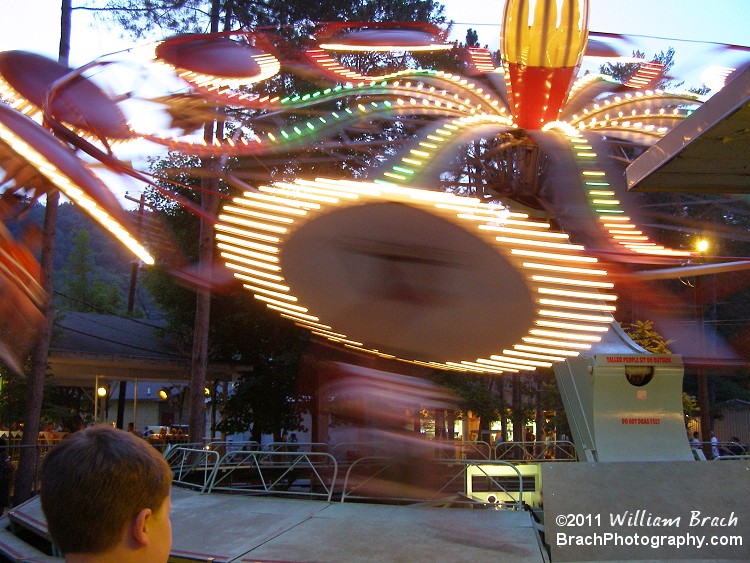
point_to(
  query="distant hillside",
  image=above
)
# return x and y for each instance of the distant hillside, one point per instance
(110, 259)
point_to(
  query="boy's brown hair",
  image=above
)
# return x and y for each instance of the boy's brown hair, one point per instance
(95, 482)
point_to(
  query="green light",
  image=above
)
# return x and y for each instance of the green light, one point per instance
(297, 130)
(322, 120)
(403, 170)
(310, 126)
(284, 134)
(305, 97)
(334, 114)
(350, 112)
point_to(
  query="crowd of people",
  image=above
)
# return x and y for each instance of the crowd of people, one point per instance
(716, 447)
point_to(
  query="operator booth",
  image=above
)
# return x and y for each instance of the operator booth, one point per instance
(625, 407)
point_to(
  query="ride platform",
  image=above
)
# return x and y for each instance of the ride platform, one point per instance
(243, 529)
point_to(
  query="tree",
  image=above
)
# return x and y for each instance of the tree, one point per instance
(293, 20)
(644, 334)
(85, 289)
(472, 38)
(35, 392)
(241, 329)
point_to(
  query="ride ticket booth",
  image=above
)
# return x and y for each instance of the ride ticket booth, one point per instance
(625, 407)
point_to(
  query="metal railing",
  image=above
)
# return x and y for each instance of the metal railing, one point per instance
(308, 474)
(296, 447)
(380, 478)
(193, 467)
(560, 450)
(500, 479)
(459, 450)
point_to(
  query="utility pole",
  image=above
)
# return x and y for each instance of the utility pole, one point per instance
(703, 402)
(131, 305)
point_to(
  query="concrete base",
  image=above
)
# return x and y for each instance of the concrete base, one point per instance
(233, 528)
(669, 510)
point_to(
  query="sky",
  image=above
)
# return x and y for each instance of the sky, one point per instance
(34, 25)
(719, 21)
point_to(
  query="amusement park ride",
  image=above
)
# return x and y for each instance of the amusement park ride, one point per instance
(474, 231)
(501, 267)
(470, 223)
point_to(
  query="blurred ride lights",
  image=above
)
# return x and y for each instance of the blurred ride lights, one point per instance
(59, 165)
(564, 306)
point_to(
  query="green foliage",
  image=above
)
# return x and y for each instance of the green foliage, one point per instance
(266, 399)
(59, 403)
(644, 334)
(689, 406)
(479, 394)
(294, 20)
(83, 282)
(241, 330)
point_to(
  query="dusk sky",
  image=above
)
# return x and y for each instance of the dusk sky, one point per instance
(719, 21)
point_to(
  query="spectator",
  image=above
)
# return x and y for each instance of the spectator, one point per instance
(106, 497)
(695, 443)
(714, 446)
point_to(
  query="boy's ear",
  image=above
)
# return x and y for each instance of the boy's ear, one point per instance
(139, 527)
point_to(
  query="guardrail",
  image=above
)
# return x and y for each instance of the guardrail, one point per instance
(380, 477)
(309, 474)
(193, 467)
(560, 450)
(296, 447)
(501, 482)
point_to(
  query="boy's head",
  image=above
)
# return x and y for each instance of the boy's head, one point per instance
(104, 489)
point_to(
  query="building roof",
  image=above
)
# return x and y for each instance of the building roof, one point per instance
(86, 345)
(705, 153)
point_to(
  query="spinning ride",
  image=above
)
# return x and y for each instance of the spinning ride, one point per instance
(379, 259)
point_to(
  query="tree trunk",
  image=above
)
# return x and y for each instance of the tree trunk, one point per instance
(199, 360)
(440, 433)
(27, 471)
(209, 203)
(517, 409)
(503, 413)
(66, 11)
(25, 483)
(539, 417)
